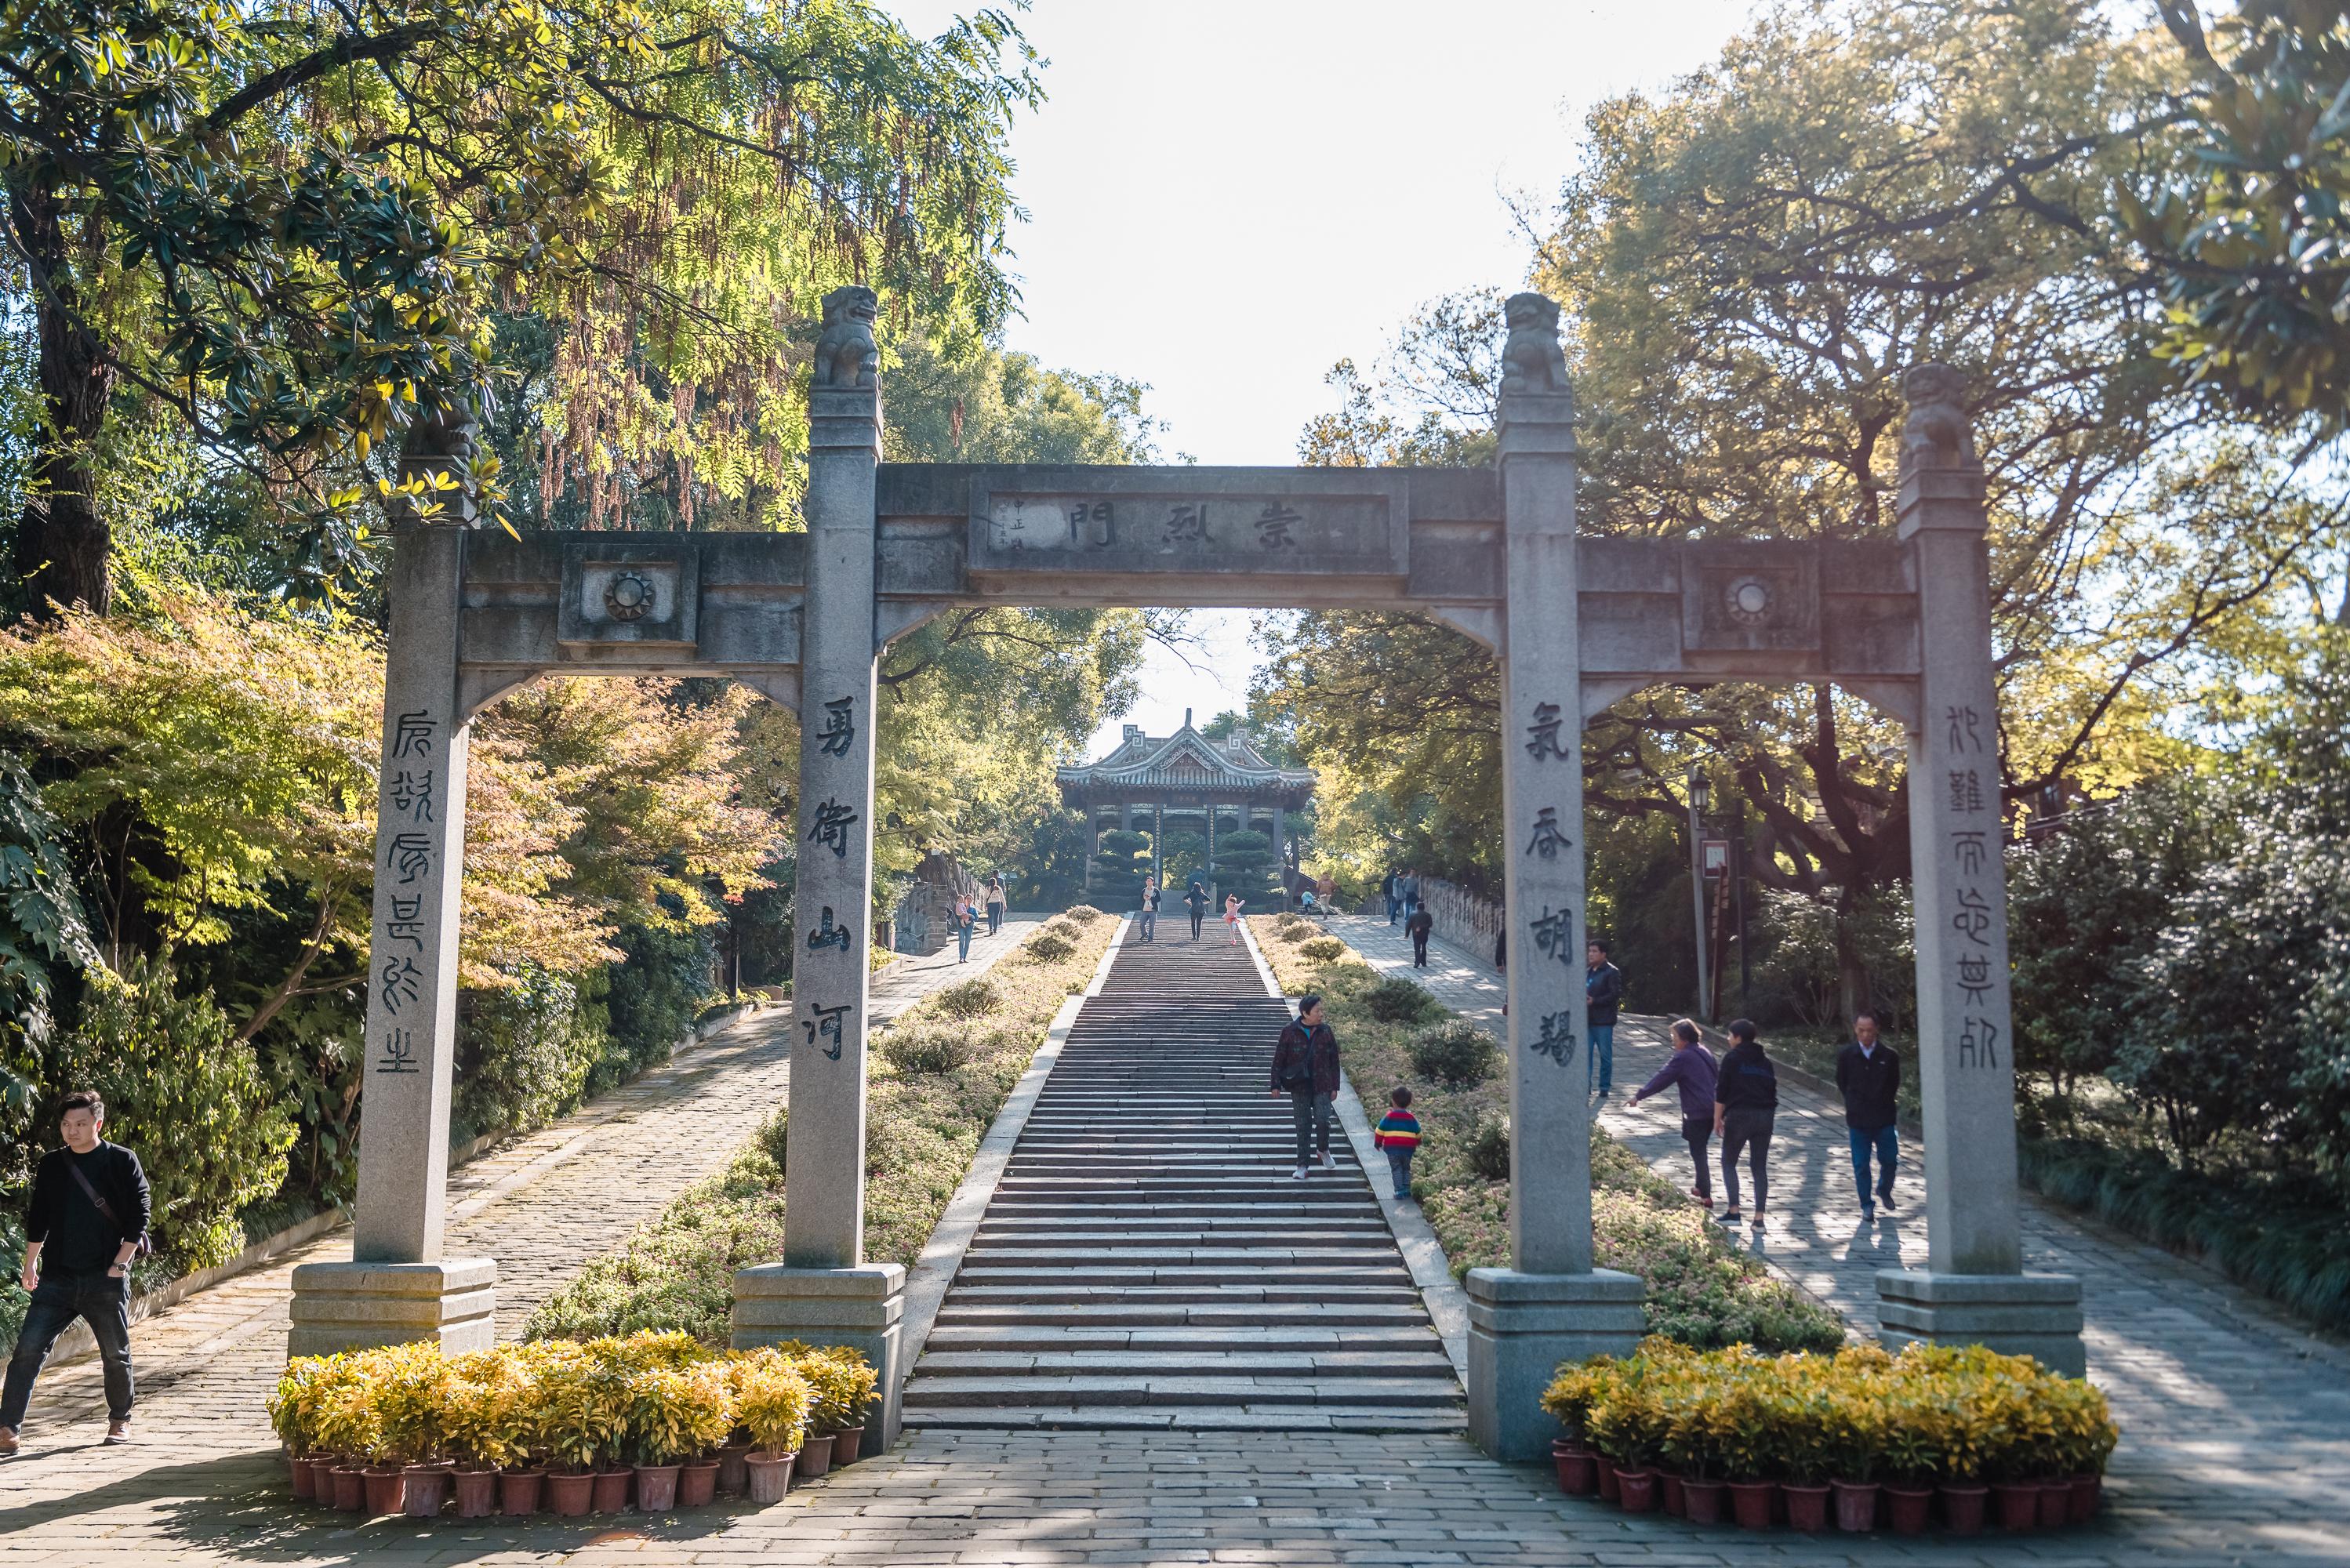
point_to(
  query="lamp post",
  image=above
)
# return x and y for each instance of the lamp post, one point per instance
(1700, 791)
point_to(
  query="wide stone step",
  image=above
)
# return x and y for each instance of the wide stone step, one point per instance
(1231, 1337)
(1082, 1389)
(1189, 1418)
(1429, 1362)
(1129, 1309)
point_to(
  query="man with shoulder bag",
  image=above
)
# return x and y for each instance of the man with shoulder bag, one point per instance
(87, 1222)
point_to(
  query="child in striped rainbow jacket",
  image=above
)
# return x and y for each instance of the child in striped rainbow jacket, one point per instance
(1398, 1134)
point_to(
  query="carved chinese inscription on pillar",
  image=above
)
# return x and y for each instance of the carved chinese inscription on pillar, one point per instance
(826, 934)
(1557, 1039)
(1554, 932)
(830, 828)
(1548, 838)
(825, 1026)
(1973, 806)
(1542, 735)
(839, 730)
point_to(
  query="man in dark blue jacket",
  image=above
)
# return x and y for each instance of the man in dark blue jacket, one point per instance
(1603, 994)
(1869, 1076)
(88, 1212)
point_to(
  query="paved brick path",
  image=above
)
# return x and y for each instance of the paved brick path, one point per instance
(2236, 1453)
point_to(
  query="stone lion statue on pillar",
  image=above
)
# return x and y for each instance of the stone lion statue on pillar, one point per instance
(1531, 360)
(1936, 434)
(846, 355)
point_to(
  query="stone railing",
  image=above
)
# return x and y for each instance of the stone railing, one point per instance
(1463, 918)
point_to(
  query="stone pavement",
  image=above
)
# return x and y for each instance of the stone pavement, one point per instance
(2229, 1410)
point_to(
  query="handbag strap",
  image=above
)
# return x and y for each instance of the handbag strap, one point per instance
(105, 1210)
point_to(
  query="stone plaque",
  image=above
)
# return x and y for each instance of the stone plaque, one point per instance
(1243, 524)
(644, 595)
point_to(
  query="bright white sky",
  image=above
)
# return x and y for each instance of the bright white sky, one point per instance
(1224, 199)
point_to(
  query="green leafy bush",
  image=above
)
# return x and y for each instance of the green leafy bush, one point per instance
(1487, 1147)
(927, 1048)
(1457, 1054)
(523, 1055)
(1322, 949)
(966, 998)
(1048, 947)
(1398, 1001)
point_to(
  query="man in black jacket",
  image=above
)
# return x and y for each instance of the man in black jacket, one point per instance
(1603, 994)
(90, 1209)
(1418, 928)
(1869, 1076)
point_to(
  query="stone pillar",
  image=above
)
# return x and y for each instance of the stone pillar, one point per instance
(823, 1291)
(1209, 870)
(1125, 817)
(398, 1287)
(1280, 840)
(1093, 843)
(1550, 1305)
(1973, 1289)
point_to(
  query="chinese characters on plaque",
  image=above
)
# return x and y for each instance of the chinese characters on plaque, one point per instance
(1973, 806)
(830, 827)
(409, 857)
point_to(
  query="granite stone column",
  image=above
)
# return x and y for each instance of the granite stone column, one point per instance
(1973, 1289)
(824, 1291)
(398, 1287)
(1550, 1305)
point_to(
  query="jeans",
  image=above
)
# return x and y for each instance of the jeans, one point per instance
(1394, 905)
(1150, 923)
(962, 941)
(1746, 1128)
(1399, 1166)
(1600, 1064)
(1419, 949)
(1698, 1132)
(994, 918)
(1311, 1113)
(1885, 1142)
(102, 1303)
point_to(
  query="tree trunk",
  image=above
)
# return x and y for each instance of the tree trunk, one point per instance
(1851, 973)
(62, 542)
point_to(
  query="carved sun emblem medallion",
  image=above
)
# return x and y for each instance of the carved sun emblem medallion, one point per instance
(1748, 600)
(628, 597)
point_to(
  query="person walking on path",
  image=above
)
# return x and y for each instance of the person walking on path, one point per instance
(1745, 1104)
(1398, 1134)
(1198, 898)
(1693, 1071)
(1603, 994)
(1150, 909)
(87, 1218)
(1868, 1076)
(1388, 891)
(995, 905)
(966, 917)
(1408, 892)
(1233, 902)
(1306, 1068)
(1419, 927)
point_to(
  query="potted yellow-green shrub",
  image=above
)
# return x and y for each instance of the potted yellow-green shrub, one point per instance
(707, 1423)
(576, 1425)
(345, 1427)
(674, 1413)
(1569, 1399)
(1909, 1460)
(410, 1385)
(843, 1384)
(772, 1400)
(292, 1415)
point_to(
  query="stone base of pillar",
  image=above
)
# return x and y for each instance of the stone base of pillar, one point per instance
(1521, 1326)
(2037, 1315)
(862, 1308)
(355, 1306)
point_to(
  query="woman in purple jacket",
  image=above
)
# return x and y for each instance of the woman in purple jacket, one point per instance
(1692, 1066)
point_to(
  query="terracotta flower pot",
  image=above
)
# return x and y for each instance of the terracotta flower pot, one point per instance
(697, 1484)
(1751, 1502)
(1579, 1472)
(518, 1492)
(656, 1488)
(1807, 1505)
(1908, 1506)
(2087, 1491)
(734, 1476)
(1962, 1507)
(771, 1476)
(1636, 1491)
(305, 1482)
(611, 1494)
(567, 1496)
(1703, 1499)
(2055, 1504)
(2019, 1503)
(424, 1488)
(1856, 1505)
(815, 1454)
(845, 1444)
(1609, 1473)
(350, 1488)
(322, 1478)
(387, 1489)
(1668, 1492)
(476, 1492)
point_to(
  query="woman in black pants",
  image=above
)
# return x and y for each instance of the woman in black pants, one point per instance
(1745, 1104)
(1198, 898)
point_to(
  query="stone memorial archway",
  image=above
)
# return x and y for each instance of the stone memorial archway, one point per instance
(1578, 623)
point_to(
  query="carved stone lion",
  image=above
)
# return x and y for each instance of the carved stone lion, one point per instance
(845, 352)
(1936, 435)
(1531, 360)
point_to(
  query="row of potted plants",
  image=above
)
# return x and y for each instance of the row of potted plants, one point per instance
(1956, 1429)
(657, 1419)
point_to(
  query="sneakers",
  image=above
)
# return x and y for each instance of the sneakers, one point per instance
(1297, 1175)
(1327, 1163)
(118, 1431)
(1730, 1216)
(1702, 1199)
(1867, 1215)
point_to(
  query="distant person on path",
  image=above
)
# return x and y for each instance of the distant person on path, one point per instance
(1693, 1069)
(1150, 909)
(1306, 1068)
(1603, 994)
(1233, 902)
(1398, 1134)
(90, 1209)
(1198, 898)
(1745, 1104)
(1408, 890)
(1418, 928)
(1388, 891)
(1869, 1076)
(966, 918)
(995, 905)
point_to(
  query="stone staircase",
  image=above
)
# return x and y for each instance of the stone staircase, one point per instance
(1146, 1261)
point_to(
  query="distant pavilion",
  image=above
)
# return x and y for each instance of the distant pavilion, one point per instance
(1185, 776)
